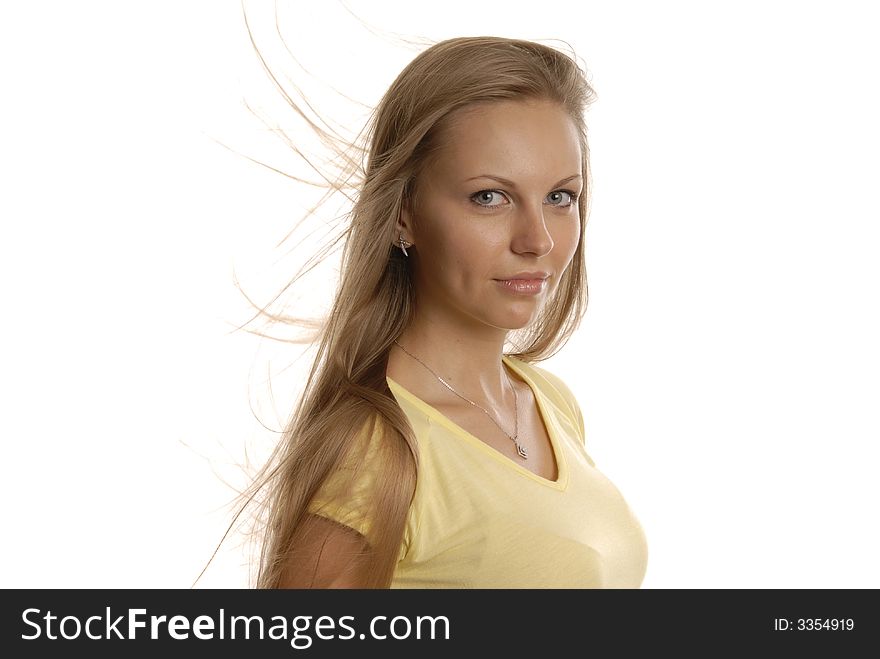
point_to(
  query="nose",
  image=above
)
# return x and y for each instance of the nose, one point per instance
(530, 233)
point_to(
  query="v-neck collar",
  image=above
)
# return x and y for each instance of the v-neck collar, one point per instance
(549, 423)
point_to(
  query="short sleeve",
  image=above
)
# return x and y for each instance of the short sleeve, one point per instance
(346, 494)
(349, 494)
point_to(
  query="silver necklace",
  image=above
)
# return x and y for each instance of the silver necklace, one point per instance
(520, 449)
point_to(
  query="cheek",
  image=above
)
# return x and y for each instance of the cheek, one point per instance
(453, 256)
(467, 248)
(566, 241)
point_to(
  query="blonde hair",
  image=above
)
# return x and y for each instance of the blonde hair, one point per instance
(346, 390)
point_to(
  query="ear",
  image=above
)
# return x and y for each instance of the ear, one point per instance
(404, 224)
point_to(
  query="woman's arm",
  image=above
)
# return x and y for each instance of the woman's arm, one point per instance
(329, 555)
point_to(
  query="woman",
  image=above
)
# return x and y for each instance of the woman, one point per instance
(424, 453)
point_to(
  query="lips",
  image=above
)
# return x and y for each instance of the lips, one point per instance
(522, 286)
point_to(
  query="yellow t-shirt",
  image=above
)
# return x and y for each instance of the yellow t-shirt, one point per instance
(480, 520)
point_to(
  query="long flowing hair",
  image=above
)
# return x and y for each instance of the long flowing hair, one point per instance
(346, 388)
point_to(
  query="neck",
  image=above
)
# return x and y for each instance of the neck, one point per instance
(469, 361)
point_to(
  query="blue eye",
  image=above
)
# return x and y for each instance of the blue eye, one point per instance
(483, 194)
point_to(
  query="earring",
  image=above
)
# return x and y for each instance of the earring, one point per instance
(403, 244)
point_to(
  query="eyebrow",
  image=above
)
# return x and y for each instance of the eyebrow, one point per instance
(513, 185)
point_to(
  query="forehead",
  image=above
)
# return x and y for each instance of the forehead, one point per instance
(514, 139)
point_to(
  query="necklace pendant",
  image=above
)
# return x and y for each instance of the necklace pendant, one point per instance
(521, 450)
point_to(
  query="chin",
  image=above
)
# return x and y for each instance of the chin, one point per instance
(509, 316)
(518, 321)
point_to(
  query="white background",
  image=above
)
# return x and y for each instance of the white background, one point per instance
(727, 366)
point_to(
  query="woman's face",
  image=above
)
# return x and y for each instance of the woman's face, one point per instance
(472, 231)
